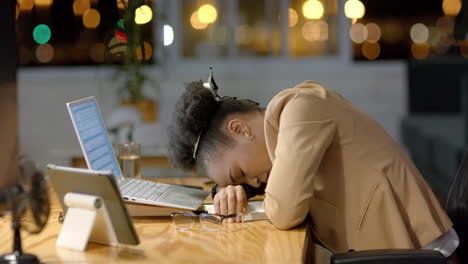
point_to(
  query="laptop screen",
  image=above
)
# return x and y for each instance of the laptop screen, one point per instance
(93, 136)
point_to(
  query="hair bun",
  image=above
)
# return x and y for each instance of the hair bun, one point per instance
(193, 113)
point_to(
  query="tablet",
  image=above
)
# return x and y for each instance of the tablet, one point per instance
(98, 183)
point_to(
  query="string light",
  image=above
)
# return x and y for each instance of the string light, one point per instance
(312, 9)
(26, 5)
(419, 33)
(42, 34)
(354, 9)
(451, 7)
(43, 3)
(148, 51)
(168, 33)
(197, 24)
(207, 14)
(91, 18)
(373, 33)
(122, 4)
(97, 52)
(358, 33)
(420, 51)
(293, 18)
(371, 51)
(143, 15)
(315, 31)
(44, 53)
(80, 7)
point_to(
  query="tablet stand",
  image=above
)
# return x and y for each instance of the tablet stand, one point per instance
(87, 219)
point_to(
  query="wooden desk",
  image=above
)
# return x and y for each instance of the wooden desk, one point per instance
(257, 242)
(159, 161)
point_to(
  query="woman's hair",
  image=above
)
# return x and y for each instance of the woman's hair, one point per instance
(198, 113)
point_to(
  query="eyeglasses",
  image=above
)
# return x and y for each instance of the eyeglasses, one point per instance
(208, 222)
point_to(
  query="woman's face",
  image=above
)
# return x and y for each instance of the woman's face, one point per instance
(247, 160)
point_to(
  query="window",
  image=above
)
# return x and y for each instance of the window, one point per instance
(402, 29)
(246, 28)
(313, 27)
(83, 32)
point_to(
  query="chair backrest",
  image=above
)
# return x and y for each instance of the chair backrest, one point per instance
(457, 208)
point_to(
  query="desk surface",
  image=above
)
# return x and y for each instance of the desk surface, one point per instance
(256, 242)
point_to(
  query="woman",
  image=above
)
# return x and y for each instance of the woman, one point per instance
(318, 155)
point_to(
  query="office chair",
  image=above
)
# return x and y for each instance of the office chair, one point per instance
(457, 210)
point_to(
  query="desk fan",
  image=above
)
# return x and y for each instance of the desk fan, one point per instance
(29, 206)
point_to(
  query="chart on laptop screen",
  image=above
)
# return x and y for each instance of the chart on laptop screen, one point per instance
(93, 137)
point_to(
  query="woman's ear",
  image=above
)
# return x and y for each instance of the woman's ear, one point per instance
(239, 127)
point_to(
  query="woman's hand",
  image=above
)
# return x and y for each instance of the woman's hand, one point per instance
(230, 200)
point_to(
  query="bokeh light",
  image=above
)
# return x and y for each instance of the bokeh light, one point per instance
(445, 24)
(97, 52)
(143, 15)
(312, 9)
(197, 24)
(148, 51)
(441, 43)
(80, 7)
(24, 55)
(44, 53)
(464, 48)
(118, 50)
(451, 7)
(243, 33)
(17, 12)
(371, 51)
(91, 18)
(122, 4)
(419, 33)
(168, 33)
(420, 51)
(42, 34)
(358, 33)
(293, 17)
(26, 5)
(315, 31)
(332, 7)
(43, 3)
(113, 42)
(207, 14)
(354, 9)
(373, 33)
(121, 23)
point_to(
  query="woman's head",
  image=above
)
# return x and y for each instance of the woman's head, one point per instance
(231, 149)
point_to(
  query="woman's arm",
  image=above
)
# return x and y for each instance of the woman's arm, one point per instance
(232, 199)
(303, 136)
(250, 191)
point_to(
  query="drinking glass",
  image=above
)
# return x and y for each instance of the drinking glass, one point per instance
(130, 160)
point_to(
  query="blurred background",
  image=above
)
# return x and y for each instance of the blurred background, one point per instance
(400, 61)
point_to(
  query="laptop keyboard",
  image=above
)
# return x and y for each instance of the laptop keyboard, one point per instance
(146, 190)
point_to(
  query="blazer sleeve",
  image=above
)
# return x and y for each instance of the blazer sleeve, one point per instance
(304, 134)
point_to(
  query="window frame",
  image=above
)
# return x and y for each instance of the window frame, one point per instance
(174, 52)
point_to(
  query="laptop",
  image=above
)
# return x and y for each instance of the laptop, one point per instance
(99, 155)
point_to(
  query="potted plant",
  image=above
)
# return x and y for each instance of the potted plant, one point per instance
(130, 77)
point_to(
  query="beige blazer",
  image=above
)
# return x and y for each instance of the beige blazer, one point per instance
(334, 162)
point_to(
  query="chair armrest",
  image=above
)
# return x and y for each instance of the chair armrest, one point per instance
(390, 256)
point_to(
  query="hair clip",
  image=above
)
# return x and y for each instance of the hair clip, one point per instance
(195, 147)
(212, 86)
